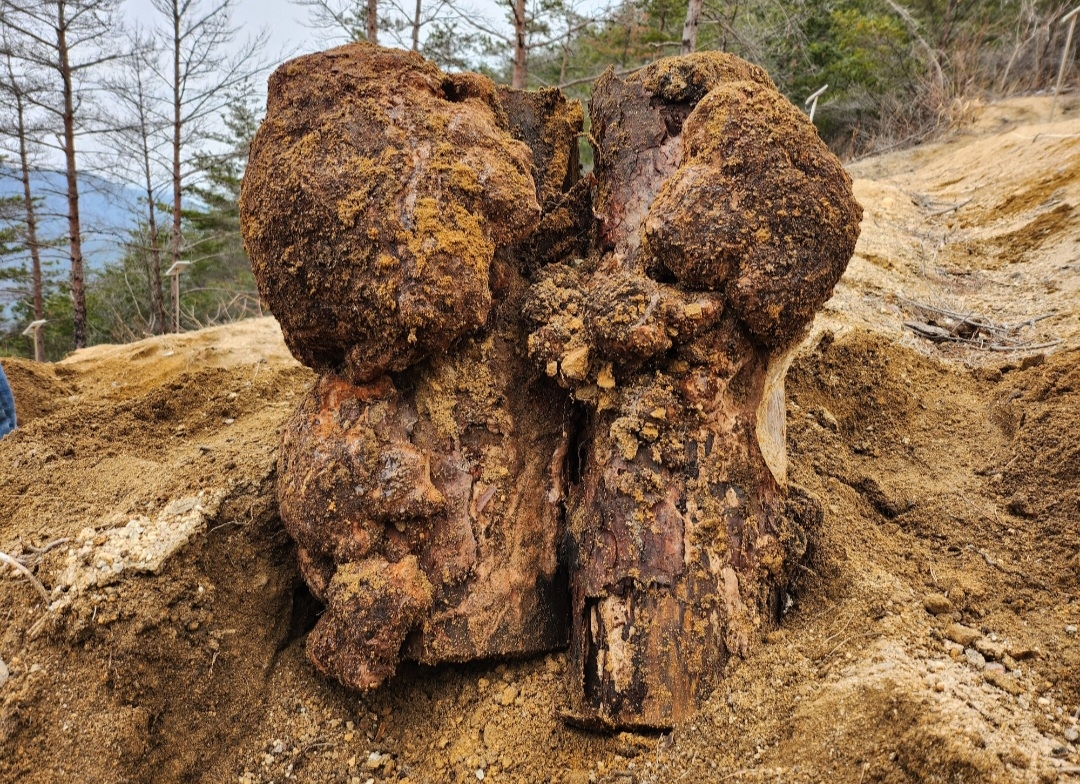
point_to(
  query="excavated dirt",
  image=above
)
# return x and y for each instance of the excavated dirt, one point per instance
(933, 636)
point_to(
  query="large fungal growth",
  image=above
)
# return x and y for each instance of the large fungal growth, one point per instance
(551, 406)
(380, 208)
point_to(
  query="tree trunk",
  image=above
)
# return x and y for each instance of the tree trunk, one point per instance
(679, 558)
(31, 228)
(176, 144)
(157, 293)
(521, 51)
(690, 27)
(78, 290)
(676, 342)
(371, 21)
(416, 27)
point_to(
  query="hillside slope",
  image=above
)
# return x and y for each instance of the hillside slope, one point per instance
(933, 636)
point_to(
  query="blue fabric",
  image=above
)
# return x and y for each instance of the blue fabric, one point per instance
(7, 406)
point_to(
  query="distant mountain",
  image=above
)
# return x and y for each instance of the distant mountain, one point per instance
(107, 211)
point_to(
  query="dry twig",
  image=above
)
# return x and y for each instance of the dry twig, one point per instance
(941, 325)
(17, 566)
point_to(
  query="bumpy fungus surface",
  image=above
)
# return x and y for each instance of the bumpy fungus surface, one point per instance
(552, 405)
(377, 193)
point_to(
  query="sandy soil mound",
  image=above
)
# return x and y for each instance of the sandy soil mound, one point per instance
(933, 636)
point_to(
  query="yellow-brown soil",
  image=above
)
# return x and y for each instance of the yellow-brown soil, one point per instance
(950, 479)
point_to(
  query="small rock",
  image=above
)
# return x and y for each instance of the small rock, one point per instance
(1023, 652)
(278, 747)
(939, 687)
(1070, 629)
(4, 674)
(479, 774)
(826, 419)
(991, 650)
(1002, 681)
(1072, 734)
(974, 658)
(937, 604)
(373, 761)
(962, 635)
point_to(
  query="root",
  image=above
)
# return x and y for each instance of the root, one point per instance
(18, 566)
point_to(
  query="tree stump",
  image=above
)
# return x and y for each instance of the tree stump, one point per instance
(551, 406)
(723, 224)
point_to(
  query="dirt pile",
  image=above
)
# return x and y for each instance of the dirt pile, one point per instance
(933, 635)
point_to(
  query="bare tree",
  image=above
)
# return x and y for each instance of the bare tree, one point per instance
(202, 82)
(15, 91)
(690, 27)
(139, 138)
(356, 20)
(67, 39)
(535, 25)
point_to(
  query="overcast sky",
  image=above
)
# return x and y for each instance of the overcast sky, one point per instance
(286, 23)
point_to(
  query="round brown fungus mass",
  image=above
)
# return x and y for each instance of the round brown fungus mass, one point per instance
(552, 405)
(377, 194)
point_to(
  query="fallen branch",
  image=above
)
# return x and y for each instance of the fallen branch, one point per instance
(948, 326)
(951, 207)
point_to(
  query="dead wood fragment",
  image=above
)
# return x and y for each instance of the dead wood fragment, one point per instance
(947, 326)
(676, 338)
